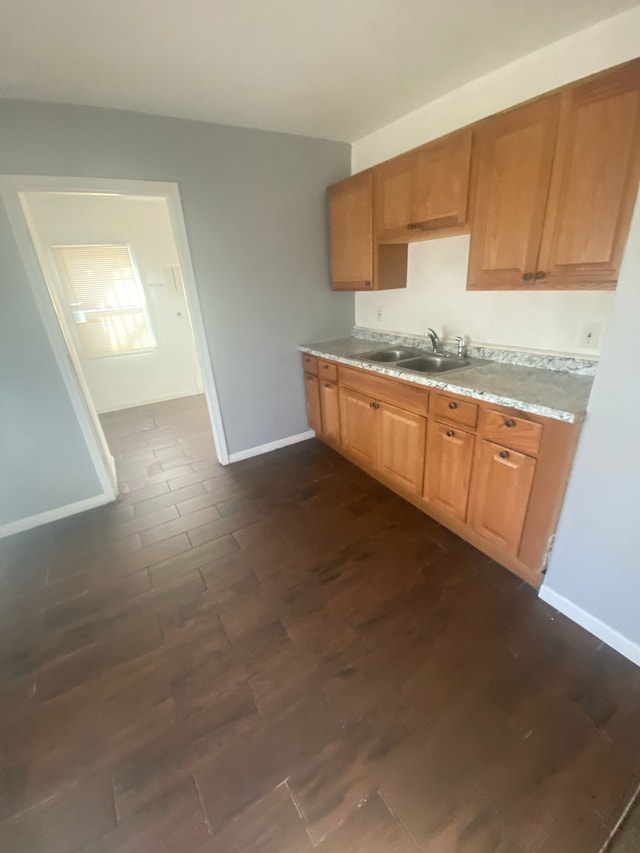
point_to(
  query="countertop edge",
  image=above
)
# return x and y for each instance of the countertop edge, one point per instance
(451, 386)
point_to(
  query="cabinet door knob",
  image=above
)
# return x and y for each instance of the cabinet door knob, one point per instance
(325, 367)
(376, 405)
(540, 274)
(367, 284)
(450, 433)
(504, 454)
(527, 276)
(509, 423)
(327, 385)
(453, 405)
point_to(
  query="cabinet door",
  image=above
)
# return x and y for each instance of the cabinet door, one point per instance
(500, 491)
(514, 153)
(448, 469)
(312, 383)
(351, 230)
(330, 411)
(394, 197)
(358, 425)
(401, 446)
(594, 182)
(442, 181)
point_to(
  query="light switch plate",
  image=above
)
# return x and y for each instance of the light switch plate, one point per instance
(590, 336)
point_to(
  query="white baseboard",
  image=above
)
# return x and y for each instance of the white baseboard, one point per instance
(272, 445)
(53, 515)
(147, 402)
(595, 626)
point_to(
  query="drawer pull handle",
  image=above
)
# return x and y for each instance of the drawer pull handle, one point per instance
(327, 385)
(325, 366)
(453, 405)
(504, 454)
(509, 423)
(367, 284)
(376, 405)
(450, 433)
(540, 274)
(527, 276)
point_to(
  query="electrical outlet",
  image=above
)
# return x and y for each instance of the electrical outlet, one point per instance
(379, 313)
(590, 336)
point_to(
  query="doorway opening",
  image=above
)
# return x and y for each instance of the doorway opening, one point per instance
(110, 268)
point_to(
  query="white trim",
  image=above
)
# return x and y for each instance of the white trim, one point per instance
(50, 515)
(595, 626)
(149, 401)
(272, 445)
(12, 185)
(83, 407)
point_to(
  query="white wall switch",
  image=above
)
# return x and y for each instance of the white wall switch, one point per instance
(590, 336)
(379, 313)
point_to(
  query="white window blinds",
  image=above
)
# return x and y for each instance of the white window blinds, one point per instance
(105, 299)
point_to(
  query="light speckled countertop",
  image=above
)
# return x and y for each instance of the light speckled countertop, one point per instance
(550, 393)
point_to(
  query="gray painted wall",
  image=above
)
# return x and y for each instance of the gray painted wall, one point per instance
(254, 206)
(44, 461)
(595, 563)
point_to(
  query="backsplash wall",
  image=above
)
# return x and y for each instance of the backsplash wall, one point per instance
(436, 295)
(551, 321)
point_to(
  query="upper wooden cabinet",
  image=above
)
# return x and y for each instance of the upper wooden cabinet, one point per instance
(594, 181)
(356, 262)
(351, 229)
(424, 192)
(514, 155)
(556, 182)
(547, 190)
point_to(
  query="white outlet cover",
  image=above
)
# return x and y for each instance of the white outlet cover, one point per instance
(590, 336)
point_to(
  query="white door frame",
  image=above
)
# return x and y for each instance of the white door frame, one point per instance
(11, 189)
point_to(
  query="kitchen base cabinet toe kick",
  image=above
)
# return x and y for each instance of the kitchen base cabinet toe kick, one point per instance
(494, 476)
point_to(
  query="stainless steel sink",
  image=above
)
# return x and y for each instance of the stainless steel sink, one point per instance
(433, 363)
(392, 354)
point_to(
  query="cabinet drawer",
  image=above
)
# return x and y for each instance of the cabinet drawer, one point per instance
(401, 394)
(328, 370)
(310, 364)
(455, 410)
(511, 431)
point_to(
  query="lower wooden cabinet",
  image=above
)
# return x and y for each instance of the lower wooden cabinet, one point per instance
(358, 425)
(314, 417)
(494, 476)
(330, 411)
(500, 492)
(448, 469)
(401, 446)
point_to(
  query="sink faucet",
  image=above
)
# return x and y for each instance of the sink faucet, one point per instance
(435, 340)
(462, 347)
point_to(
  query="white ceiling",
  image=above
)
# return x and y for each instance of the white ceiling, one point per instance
(337, 69)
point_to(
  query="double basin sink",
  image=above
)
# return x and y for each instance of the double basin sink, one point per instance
(415, 359)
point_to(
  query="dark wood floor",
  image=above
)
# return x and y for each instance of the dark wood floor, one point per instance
(282, 656)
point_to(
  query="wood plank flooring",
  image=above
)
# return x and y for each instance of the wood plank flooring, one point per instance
(282, 656)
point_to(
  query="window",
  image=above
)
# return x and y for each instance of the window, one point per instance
(105, 298)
